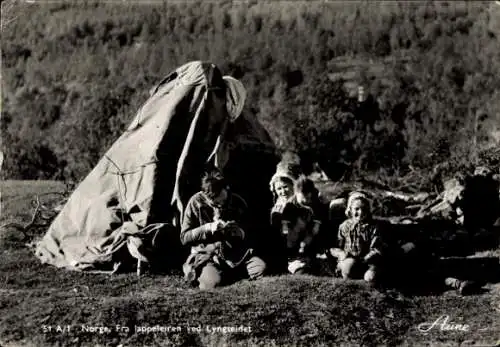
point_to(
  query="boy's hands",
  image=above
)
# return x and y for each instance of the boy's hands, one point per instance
(217, 226)
(226, 229)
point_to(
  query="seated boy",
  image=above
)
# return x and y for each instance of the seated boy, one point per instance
(213, 225)
(302, 220)
(359, 243)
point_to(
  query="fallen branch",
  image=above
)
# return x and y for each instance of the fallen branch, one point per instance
(36, 214)
(31, 222)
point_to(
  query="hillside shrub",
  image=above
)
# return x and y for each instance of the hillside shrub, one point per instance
(74, 75)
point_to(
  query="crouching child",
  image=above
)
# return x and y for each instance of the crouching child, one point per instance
(214, 226)
(302, 221)
(359, 249)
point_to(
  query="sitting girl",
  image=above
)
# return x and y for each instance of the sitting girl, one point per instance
(359, 246)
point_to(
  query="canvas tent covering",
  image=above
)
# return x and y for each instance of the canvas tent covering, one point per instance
(192, 119)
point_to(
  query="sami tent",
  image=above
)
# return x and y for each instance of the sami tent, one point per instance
(193, 118)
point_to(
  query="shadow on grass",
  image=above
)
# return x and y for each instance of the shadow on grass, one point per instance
(421, 278)
(441, 250)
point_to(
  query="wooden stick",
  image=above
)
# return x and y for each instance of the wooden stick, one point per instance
(139, 263)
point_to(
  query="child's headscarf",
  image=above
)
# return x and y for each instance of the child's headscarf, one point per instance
(281, 174)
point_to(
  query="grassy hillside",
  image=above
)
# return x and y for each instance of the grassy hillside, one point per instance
(38, 303)
(75, 73)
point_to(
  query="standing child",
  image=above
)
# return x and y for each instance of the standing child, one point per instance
(359, 243)
(281, 186)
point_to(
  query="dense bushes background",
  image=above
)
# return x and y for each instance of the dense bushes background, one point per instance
(75, 73)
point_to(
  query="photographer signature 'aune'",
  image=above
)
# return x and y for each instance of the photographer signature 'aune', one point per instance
(443, 323)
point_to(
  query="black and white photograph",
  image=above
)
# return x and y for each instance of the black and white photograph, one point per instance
(250, 173)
